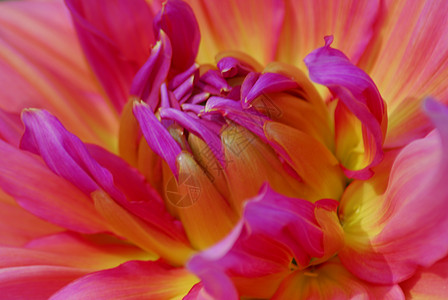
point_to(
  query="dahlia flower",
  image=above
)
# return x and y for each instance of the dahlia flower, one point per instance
(223, 149)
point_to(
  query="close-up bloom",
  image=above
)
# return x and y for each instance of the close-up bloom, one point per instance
(233, 149)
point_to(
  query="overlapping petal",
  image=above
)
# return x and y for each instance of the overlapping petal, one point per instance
(383, 243)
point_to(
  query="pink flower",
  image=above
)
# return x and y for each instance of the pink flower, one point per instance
(161, 151)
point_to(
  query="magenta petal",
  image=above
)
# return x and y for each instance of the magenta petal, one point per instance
(64, 153)
(213, 78)
(357, 92)
(249, 118)
(115, 39)
(267, 83)
(148, 79)
(177, 20)
(196, 126)
(231, 67)
(157, 137)
(273, 230)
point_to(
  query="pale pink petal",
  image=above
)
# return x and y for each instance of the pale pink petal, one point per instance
(389, 234)
(35, 282)
(132, 280)
(25, 177)
(42, 65)
(428, 283)
(116, 40)
(411, 64)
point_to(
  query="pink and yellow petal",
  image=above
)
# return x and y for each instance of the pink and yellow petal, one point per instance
(332, 281)
(352, 23)
(411, 64)
(246, 26)
(39, 54)
(132, 280)
(382, 242)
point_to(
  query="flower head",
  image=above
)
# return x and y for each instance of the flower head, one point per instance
(162, 173)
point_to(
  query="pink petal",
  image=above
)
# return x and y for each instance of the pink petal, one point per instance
(428, 283)
(132, 280)
(56, 200)
(274, 229)
(177, 20)
(411, 63)
(42, 65)
(35, 282)
(157, 136)
(116, 40)
(147, 81)
(407, 226)
(359, 95)
(18, 226)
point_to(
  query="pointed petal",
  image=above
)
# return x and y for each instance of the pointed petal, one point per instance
(358, 93)
(56, 200)
(146, 83)
(428, 283)
(332, 281)
(42, 65)
(178, 21)
(35, 282)
(411, 63)
(157, 136)
(116, 40)
(388, 240)
(132, 280)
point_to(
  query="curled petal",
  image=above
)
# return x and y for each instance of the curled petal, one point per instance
(147, 81)
(178, 21)
(359, 95)
(383, 243)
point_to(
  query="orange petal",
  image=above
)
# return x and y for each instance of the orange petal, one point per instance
(332, 281)
(205, 214)
(143, 235)
(312, 161)
(249, 158)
